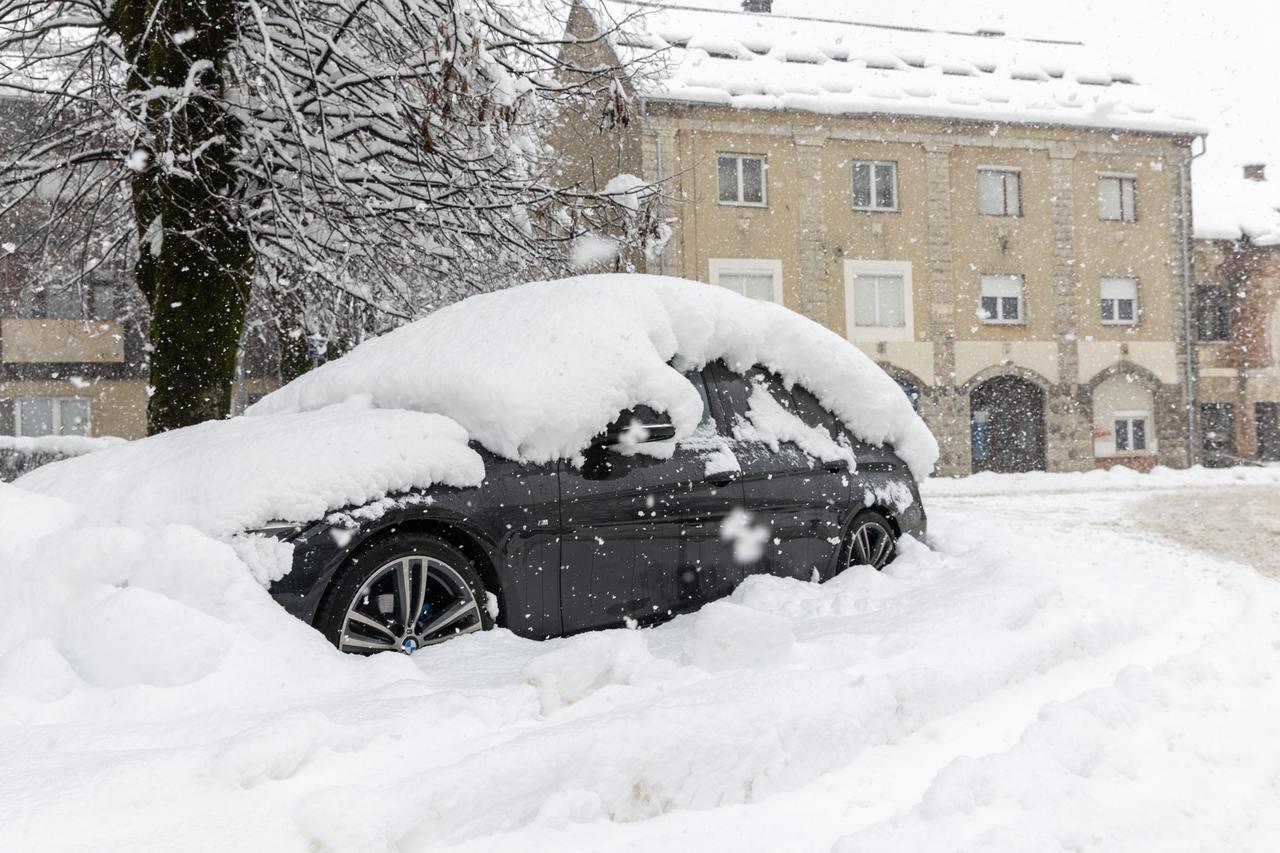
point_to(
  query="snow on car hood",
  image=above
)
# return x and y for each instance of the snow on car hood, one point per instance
(534, 371)
(226, 476)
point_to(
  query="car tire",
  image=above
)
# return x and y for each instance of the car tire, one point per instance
(871, 541)
(400, 593)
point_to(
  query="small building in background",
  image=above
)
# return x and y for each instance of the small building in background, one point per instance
(1237, 320)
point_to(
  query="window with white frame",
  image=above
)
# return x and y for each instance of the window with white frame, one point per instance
(1132, 432)
(999, 192)
(740, 179)
(1119, 301)
(875, 185)
(755, 278)
(1118, 197)
(36, 416)
(878, 301)
(1002, 299)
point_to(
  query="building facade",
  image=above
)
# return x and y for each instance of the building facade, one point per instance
(1237, 318)
(1237, 352)
(72, 362)
(72, 353)
(1024, 281)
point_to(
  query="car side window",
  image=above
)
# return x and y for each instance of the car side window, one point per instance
(729, 403)
(699, 382)
(794, 400)
(772, 383)
(710, 441)
(798, 421)
(814, 413)
(735, 392)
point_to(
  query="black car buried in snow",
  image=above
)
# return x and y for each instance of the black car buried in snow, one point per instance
(618, 537)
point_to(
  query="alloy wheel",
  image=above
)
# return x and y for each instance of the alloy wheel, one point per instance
(872, 545)
(408, 603)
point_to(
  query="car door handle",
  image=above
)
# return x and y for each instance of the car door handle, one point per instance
(722, 478)
(838, 466)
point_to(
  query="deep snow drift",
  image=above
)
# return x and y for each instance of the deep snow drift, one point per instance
(1049, 677)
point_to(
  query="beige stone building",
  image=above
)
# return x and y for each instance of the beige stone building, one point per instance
(998, 223)
(71, 360)
(69, 365)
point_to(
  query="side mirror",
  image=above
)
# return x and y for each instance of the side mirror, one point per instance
(641, 425)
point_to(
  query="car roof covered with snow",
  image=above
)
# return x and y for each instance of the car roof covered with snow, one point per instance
(534, 372)
(716, 53)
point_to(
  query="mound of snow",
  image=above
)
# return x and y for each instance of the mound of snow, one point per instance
(535, 371)
(226, 476)
(1026, 684)
(24, 515)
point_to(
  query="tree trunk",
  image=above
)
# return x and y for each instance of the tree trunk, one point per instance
(196, 262)
(197, 314)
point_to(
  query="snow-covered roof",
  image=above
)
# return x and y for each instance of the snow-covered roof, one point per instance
(836, 66)
(1230, 207)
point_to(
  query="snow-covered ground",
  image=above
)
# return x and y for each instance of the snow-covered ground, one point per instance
(1055, 674)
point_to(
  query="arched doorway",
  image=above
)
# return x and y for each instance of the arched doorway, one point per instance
(913, 394)
(1007, 418)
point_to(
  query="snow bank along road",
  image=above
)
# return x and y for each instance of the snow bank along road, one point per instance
(1054, 675)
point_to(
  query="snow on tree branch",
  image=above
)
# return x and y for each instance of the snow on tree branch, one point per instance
(383, 152)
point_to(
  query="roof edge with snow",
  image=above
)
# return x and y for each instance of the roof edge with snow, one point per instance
(830, 66)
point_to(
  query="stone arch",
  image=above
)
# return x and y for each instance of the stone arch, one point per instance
(997, 370)
(908, 381)
(1126, 413)
(1007, 421)
(1123, 368)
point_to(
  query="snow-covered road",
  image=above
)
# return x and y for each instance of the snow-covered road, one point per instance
(1056, 674)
